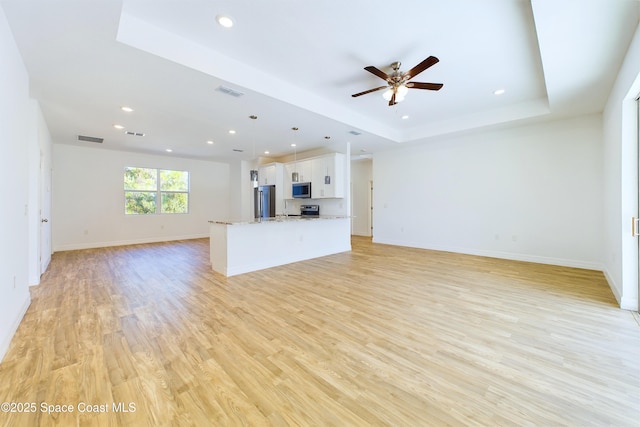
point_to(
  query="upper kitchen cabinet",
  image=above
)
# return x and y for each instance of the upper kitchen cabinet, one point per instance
(271, 174)
(328, 177)
(326, 174)
(304, 168)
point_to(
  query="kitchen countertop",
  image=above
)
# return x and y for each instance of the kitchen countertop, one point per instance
(290, 218)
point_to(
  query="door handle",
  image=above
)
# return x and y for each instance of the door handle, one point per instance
(635, 226)
(44, 220)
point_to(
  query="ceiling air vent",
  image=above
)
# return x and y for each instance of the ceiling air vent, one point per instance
(229, 91)
(237, 150)
(128, 132)
(356, 133)
(90, 139)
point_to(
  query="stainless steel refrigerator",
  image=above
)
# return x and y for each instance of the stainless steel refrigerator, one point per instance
(264, 201)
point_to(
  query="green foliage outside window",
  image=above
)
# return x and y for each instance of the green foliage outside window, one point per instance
(140, 202)
(144, 187)
(174, 203)
(140, 179)
(174, 180)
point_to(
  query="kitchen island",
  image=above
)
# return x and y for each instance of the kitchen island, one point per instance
(238, 247)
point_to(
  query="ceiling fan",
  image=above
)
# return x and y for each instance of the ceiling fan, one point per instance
(398, 82)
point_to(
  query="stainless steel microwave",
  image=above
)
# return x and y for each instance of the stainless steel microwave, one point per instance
(301, 190)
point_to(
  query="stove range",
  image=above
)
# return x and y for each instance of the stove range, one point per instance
(310, 211)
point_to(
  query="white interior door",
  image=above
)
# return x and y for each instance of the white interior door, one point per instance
(45, 212)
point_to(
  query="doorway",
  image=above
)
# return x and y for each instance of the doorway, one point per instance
(45, 212)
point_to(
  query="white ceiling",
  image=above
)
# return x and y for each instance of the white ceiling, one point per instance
(297, 63)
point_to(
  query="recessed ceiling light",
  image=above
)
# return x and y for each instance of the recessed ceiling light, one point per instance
(266, 152)
(405, 117)
(225, 21)
(118, 126)
(498, 91)
(210, 142)
(293, 145)
(169, 150)
(127, 109)
(232, 131)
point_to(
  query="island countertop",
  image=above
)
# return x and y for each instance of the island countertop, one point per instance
(283, 218)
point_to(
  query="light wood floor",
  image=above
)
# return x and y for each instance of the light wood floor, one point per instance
(380, 336)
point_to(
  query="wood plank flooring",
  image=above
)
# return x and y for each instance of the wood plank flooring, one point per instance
(383, 335)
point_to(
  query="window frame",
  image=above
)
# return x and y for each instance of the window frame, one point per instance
(158, 192)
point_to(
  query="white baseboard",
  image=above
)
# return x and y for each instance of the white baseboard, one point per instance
(613, 285)
(355, 233)
(92, 245)
(498, 254)
(10, 332)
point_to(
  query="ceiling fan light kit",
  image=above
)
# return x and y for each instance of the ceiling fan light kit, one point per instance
(398, 84)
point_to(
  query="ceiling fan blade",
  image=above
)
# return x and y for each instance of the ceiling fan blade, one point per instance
(432, 60)
(377, 72)
(392, 101)
(369, 91)
(428, 86)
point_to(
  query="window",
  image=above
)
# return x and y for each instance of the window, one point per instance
(152, 191)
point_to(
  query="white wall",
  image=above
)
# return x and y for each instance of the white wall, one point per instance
(88, 199)
(361, 177)
(620, 180)
(530, 193)
(15, 118)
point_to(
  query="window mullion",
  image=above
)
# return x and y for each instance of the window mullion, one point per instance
(158, 193)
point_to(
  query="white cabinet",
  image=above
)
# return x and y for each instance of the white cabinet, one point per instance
(304, 169)
(326, 174)
(267, 174)
(328, 177)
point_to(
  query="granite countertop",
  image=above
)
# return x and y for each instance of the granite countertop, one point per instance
(290, 218)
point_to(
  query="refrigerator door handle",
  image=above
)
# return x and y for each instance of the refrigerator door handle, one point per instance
(260, 208)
